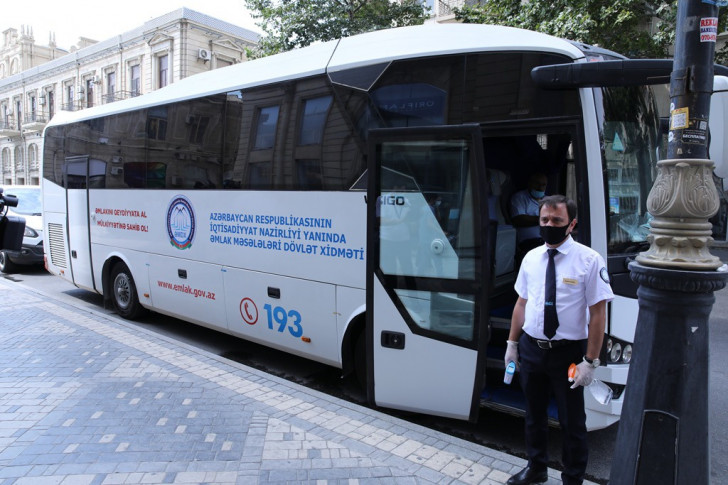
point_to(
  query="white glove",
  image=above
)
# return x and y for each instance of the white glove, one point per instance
(511, 353)
(584, 375)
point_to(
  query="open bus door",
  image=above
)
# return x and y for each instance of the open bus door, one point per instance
(79, 174)
(428, 264)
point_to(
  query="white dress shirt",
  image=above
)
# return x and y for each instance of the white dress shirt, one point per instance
(582, 280)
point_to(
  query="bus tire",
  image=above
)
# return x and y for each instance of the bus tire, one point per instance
(124, 293)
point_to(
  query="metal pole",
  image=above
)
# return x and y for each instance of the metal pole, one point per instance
(684, 195)
(663, 434)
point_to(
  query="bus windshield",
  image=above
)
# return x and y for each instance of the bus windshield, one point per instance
(632, 143)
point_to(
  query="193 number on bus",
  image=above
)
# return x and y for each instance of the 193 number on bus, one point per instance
(284, 319)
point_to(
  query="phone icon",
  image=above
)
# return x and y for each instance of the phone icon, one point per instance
(248, 311)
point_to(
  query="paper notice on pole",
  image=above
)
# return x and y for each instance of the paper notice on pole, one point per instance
(679, 119)
(709, 29)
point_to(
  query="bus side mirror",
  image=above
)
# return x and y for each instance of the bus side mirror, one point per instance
(718, 124)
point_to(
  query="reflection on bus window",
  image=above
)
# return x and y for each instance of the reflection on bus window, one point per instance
(411, 104)
(631, 139)
(313, 120)
(426, 223)
(309, 174)
(445, 313)
(265, 135)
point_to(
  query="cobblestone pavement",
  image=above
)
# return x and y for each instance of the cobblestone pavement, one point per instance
(89, 399)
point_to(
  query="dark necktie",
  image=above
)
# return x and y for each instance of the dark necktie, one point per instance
(550, 318)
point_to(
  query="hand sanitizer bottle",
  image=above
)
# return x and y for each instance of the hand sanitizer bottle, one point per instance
(601, 392)
(510, 370)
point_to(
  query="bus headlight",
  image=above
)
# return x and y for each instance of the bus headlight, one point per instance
(618, 351)
(30, 232)
(627, 354)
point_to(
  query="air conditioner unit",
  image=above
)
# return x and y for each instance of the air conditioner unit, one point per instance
(203, 54)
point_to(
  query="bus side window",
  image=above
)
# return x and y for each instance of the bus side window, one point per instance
(309, 139)
(53, 155)
(194, 147)
(231, 140)
(258, 167)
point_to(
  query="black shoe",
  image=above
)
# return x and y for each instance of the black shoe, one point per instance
(527, 476)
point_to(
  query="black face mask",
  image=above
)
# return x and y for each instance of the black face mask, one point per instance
(553, 235)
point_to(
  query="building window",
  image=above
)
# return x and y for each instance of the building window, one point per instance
(89, 93)
(110, 86)
(19, 112)
(265, 134)
(163, 70)
(19, 165)
(51, 104)
(33, 156)
(223, 62)
(157, 123)
(313, 120)
(198, 125)
(33, 108)
(69, 96)
(7, 167)
(135, 74)
(309, 174)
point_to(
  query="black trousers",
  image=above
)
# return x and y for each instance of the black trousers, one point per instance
(543, 373)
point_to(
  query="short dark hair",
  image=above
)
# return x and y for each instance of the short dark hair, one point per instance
(554, 200)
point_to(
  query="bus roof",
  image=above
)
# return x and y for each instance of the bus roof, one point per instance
(350, 52)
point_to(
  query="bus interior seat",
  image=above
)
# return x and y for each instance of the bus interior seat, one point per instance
(505, 242)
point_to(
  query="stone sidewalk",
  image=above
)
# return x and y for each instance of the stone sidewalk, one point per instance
(86, 398)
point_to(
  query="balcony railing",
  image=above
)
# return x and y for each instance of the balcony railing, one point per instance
(118, 96)
(35, 118)
(34, 122)
(9, 127)
(71, 106)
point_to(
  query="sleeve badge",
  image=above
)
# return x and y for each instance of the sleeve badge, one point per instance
(604, 275)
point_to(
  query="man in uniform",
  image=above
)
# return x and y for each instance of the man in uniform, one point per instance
(559, 319)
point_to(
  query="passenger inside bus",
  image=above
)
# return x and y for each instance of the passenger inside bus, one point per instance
(524, 214)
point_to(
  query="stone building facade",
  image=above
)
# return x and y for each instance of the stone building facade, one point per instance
(37, 82)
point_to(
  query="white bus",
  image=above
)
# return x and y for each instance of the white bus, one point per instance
(287, 200)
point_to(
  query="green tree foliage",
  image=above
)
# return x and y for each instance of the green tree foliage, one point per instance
(635, 28)
(289, 24)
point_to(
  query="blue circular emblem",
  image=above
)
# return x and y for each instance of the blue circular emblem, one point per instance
(604, 274)
(181, 222)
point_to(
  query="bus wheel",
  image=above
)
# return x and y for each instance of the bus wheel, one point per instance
(124, 293)
(360, 360)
